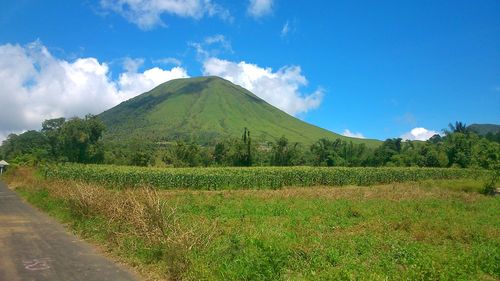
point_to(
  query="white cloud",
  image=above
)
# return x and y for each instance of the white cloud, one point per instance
(218, 38)
(286, 29)
(146, 14)
(132, 65)
(212, 46)
(420, 133)
(221, 40)
(259, 8)
(280, 88)
(130, 84)
(36, 86)
(350, 134)
(173, 61)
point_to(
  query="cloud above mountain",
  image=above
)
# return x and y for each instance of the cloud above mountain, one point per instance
(37, 86)
(281, 88)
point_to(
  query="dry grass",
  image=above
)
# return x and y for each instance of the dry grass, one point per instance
(393, 192)
(140, 212)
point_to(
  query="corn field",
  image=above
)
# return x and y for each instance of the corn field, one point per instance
(248, 177)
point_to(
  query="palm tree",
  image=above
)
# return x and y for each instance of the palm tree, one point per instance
(459, 127)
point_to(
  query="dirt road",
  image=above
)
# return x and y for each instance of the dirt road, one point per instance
(35, 247)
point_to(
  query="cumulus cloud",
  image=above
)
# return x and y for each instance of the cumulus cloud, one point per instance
(131, 84)
(37, 86)
(350, 134)
(420, 134)
(146, 14)
(280, 88)
(260, 8)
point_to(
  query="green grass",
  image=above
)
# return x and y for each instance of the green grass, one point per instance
(205, 109)
(431, 230)
(441, 237)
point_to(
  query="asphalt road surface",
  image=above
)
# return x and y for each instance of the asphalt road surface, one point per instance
(35, 247)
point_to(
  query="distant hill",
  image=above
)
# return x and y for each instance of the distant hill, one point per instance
(483, 129)
(205, 109)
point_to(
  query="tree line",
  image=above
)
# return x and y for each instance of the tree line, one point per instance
(60, 140)
(80, 140)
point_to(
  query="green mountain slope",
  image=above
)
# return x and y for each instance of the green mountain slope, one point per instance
(484, 129)
(205, 109)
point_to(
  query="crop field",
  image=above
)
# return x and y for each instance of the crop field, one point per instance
(420, 230)
(252, 177)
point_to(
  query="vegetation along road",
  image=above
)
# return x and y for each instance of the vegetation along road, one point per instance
(34, 247)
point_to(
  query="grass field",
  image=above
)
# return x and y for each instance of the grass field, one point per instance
(427, 230)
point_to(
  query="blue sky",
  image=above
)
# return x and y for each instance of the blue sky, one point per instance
(373, 68)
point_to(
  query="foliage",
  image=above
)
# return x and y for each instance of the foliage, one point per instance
(61, 140)
(458, 127)
(246, 153)
(79, 140)
(29, 148)
(456, 149)
(490, 186)
(185, 155)
(338, 153)
(251, 177)
(235, 152)
(285, 154)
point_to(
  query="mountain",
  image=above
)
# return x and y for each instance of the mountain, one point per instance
(483, 129)
(205, 109)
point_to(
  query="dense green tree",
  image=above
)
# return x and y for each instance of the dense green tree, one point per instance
(458, 147)
(27, 147)
(186, 155)
(51, 128)
(321, 153)
(142, 156)
(410, 154)
(338, 153)
(246, 159)
(493, 137)
(220, 154)
(79, 140)
(386, 151)
(485, 154)
(285, 154)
